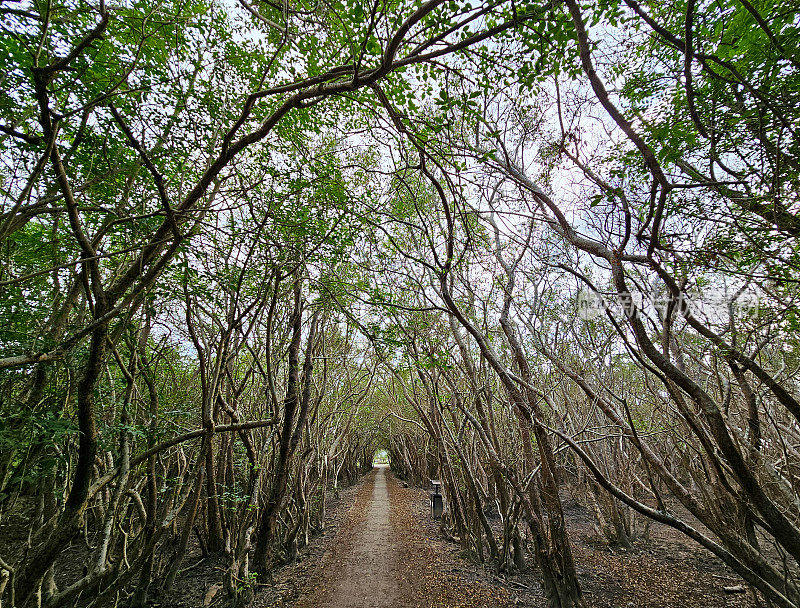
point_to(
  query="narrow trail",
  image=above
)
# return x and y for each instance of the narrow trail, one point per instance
(387, 552)
(381, 558)
(366, 578)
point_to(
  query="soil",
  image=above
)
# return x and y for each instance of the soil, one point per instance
(362, 569)
(666, 571)
(382, 548)
(412, 564)
(383, 559)
(198, 585)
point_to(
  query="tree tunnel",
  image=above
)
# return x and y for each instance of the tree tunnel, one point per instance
(543, 252)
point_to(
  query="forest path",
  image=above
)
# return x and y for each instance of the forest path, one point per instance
(361, 570)
(367, 577)
(388, 554)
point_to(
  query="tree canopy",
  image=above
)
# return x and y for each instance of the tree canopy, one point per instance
(519, 247)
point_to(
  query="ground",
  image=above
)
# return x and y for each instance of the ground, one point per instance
(409, 563)
(382, 558)
(381, 548)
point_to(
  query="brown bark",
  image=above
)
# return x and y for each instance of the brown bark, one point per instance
(295, 412)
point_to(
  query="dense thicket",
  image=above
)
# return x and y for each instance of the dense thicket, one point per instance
(531, 250)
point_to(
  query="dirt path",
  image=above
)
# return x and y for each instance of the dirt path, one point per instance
(381, 559)
(388, 552)
(366, 576)
(360, 570)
